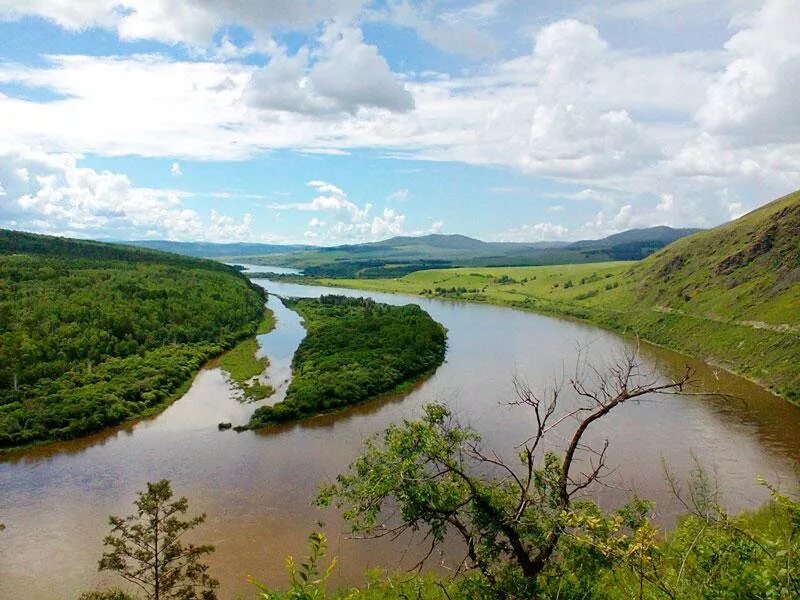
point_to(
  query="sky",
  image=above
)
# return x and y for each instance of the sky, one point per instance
(339, 121)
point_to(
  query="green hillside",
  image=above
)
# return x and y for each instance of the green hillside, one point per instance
(212, 250)
(746, 270)
(730, 295)
(402, 255)
(94, 334)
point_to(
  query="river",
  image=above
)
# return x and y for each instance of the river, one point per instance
(256, 487)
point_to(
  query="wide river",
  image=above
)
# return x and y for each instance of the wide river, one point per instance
(256, 488)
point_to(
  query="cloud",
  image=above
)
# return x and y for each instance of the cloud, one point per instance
(668, 12)
(538, 232)
(187, 21)
(756, 97)
(453, 31)
(349, 222)
(346, 74)
(175, 170)
(148, 105)
(51, 193)
(713, 128)
(325, 187)
(398, 195)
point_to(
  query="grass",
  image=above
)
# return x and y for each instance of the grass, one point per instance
(243, 365)
(729, 296)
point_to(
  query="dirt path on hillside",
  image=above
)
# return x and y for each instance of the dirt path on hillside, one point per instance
(778, 328)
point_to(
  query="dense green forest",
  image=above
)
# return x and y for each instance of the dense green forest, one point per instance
(355, 350)
(94, 334)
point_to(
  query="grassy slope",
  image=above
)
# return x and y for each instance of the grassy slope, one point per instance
(730, 296)
(243, 365)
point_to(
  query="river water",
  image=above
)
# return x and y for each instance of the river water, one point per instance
(256, 487)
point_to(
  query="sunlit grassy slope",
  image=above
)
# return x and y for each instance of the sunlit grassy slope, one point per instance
(730, 295)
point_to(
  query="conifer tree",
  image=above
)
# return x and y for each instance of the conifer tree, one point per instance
(146, 548)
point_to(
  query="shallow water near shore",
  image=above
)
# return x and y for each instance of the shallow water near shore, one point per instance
(257, 487)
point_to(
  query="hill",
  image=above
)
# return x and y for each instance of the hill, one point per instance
(729, 295)
(660, 235)
(744, 270)
(399, 256)
(94, 334)
(210, 250)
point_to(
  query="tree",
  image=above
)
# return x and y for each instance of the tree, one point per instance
(146, 548)
(512, 519)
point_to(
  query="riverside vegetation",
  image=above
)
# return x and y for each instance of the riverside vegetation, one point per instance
(729, 295)
(244, 366)
(355, 350)
(94, 334)
(527, 526)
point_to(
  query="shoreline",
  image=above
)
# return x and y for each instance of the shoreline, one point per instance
(153, 411)
(568, 314)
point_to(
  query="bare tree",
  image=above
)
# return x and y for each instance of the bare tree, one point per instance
(432, 475)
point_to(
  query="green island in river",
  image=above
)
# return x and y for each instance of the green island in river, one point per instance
(355, 350)
(728, 295)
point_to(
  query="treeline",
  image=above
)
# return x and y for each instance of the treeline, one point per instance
(19, 242)
(94, 334)
(355, 350)
(372, 269)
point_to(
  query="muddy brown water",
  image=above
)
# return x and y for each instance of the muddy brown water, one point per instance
(256, 487)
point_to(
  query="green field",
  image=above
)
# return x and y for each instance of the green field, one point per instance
(729, 296)
(244, 366)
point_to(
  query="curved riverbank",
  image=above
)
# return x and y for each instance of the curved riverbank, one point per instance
(767, 356)
(256, 486)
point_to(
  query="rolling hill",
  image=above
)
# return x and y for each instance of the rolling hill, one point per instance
(729, 295)
(401, 255)
(94, 334)
(210, 250)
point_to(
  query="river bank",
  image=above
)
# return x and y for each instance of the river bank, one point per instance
(256, 486)
(593, 293)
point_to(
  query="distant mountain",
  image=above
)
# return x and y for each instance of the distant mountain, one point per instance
(455, 242)
(662, 234)
(209, 250)
(401, 255)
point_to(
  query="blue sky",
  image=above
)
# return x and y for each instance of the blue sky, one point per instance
(341, 121)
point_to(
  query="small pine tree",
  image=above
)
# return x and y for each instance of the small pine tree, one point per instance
(146, 548)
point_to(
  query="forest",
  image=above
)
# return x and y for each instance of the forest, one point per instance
(94, 334)
(355, 350)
